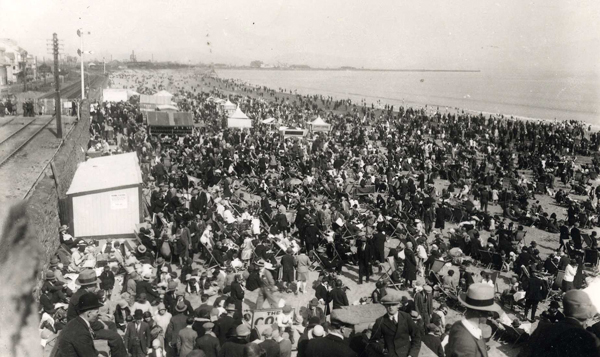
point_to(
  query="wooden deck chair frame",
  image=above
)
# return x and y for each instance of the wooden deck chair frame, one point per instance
(494, 276)
(587, 239)
(212, 258)
(513, 331)
(485, 258)
(316, 260)
(591, 256)
(387, 275)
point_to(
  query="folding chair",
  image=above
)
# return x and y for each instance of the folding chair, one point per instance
(485, 258)
(387, 276)
(316, 263)
(587, 239)
(591, 256)
(556, 293)
(212, 258)
(513, 333)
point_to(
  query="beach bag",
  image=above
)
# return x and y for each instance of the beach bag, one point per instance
(165, 250)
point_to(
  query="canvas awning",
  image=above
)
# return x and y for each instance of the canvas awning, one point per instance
(170, 119)
(268, 121)
(239, 120)
(163, 93)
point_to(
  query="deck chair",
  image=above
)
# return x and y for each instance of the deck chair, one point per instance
(591, 256)
(513, 333)
(315, 263)
(212, 261)
(587, 240)
(485, 258)
(555, 290)
(387, 276)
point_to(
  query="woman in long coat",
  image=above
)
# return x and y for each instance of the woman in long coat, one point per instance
(410, 265)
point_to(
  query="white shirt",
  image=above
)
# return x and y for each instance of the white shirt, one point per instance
(570, 272)
(393, 317)
(473, 330)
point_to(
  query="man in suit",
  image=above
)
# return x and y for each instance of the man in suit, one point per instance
(178, 322)
(76, 338)
(332, 345)
(137, 336)
(287, 263)
(535, 291)
(237, 292)
(400, 334)
(144, 286)
(567, 337)
(209, 343)
(379, 246)
(576, 236)
(338, 295)
(226, 324)
(466, 338)
(432, 340)
(88, 282)
(186, 338)
(364, 255)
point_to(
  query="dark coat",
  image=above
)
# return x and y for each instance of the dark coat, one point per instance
(209, 344)
(322, 293)
(75, 340)
(72, 311)
(225, 327)
(139, 337)
(462, 343)
(364, 255)
(339, 298)
(434, 344)
(564, 338)
(328, 346)
(536, 289)
(145, 287)
(401, 339)
(233, 348)
(237, 295)
(410, 265)
(288, 262)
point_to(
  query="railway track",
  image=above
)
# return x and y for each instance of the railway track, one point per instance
(15, 141)
(73, 90)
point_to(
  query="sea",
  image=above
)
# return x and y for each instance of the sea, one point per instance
(523, 95)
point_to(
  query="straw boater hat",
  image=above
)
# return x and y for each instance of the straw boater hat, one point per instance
(480, 296)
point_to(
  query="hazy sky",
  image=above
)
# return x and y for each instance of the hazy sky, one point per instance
(547, 35)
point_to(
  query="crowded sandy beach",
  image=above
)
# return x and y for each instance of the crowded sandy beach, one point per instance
(291, 224)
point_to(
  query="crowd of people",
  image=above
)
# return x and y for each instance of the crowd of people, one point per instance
(230, 212)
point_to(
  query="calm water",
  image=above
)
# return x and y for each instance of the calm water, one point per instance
(544, 97)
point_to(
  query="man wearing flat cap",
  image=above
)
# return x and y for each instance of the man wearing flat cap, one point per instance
(567, 337)
(400, 334)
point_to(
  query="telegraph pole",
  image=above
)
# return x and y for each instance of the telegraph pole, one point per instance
(80, 34)
(57, 105)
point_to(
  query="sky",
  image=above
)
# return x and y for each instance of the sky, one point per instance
(511, 35)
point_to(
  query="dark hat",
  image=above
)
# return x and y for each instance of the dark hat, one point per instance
(50, 276)
(147, 314)
(138, 314)
(87, 277)
(87, 302)
(554, 304)
(54, 262)
(314, 302)
(181, 307)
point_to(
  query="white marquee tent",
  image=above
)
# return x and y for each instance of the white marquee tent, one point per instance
(239, 120)
(319, 125)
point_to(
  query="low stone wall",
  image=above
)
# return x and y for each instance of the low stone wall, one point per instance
(43, 203)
